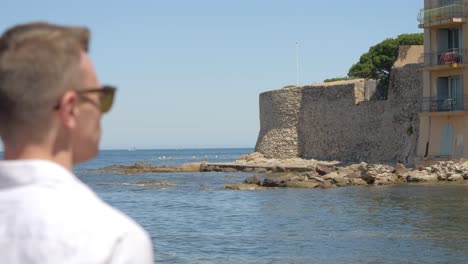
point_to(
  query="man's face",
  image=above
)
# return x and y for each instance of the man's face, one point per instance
(88, 121)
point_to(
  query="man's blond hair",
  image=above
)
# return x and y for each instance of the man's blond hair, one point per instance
(38, 63)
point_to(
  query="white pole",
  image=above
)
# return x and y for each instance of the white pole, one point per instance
(297, 63)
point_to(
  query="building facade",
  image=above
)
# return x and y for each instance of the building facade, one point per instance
(444, 106)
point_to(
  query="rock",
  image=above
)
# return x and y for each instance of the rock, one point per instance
(278, 169)
(455, 177)
(260, 170)
(400, 169)
(209, 168)
(311, 174)
(322, 169)
(419, 176)
(253, 180)
(378, 174)
(350, 174)
(302, 184)
(386, 179)
(254, 156)
(362, 166)
(191, 167)
(229, 170)
(327, 185)
(337, 179)
(243, 187)
(357, 181)
(248, 170)
(217, 169)
(142, 165)
(316, 179)
(279, 180)
(155, 183)
(244, 157)
(203, 166)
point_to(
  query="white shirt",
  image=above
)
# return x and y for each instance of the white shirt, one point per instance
(47, 215)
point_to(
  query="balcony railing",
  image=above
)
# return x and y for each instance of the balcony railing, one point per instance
(446, 57)
(433, 104)
(442, 13)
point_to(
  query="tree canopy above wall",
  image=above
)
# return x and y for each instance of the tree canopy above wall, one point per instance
(378, 61)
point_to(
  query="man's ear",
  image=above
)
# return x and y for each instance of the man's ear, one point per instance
(68, 109)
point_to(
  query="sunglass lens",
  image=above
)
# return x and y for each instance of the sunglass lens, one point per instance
(107, 99)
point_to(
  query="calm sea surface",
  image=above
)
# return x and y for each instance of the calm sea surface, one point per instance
(198, 221)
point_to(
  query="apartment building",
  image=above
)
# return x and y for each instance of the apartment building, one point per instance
(444, 106)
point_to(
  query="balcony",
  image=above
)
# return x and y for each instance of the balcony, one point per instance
(455, 106)
(444, 16)
(444, 60)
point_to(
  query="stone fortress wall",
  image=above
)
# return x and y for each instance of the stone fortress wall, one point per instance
(342, 120)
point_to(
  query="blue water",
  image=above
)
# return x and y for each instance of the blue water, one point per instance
(198, 221)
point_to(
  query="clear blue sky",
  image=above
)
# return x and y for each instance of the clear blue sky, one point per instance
(189, 72)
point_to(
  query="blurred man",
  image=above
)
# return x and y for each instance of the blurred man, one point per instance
(51, 104)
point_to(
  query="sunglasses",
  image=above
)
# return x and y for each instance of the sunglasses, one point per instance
(106, 97)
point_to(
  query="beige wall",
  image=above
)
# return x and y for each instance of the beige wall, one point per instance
(459, 148)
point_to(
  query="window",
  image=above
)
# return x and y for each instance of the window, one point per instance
(449, 93)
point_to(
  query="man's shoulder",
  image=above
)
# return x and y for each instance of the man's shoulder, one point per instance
(80, 203)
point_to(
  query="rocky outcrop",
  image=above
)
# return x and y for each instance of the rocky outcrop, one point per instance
(142, 167)
(362, 174)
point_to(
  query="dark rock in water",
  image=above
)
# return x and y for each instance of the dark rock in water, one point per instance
(229, 170)
(278, 169)
(253, 180)
(260, 170)
(325, 169)
(248, 170)
(203, 166)
(142, 165)
(302, 184)
(209, 168)
(279, 180)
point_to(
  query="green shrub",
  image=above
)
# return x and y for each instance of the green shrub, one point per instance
(339, 79)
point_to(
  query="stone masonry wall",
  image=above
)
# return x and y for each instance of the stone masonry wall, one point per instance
(335, 121)
(279, 115)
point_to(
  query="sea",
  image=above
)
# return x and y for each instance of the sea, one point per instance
(199, 221)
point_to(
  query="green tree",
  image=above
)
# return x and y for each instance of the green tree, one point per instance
(378, 61)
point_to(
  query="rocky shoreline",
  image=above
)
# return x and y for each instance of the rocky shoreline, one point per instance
(299, 173)
(332, 174)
